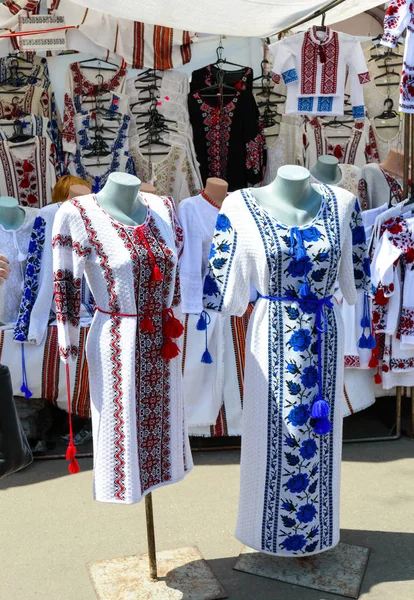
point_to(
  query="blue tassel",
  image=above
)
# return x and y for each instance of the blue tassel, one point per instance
(26, 391)
(320, 408)
(202, 322)
(371, 342)
(96, 186)
(322, 426)
(206, 358)
(363, 341)
(304, 289)
(24, 387)
(365, 323)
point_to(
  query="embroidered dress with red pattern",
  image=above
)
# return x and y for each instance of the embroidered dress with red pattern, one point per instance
(400, 16)
(313, 66)
(139, 432)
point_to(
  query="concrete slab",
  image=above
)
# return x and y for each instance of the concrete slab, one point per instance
(183, 574)
(339, 571)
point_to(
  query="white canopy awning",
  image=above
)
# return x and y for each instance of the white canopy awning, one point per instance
(254, 18)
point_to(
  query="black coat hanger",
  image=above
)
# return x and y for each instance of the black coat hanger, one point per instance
(18, 133)
(389, 112)
(100, 60)
(98, 148)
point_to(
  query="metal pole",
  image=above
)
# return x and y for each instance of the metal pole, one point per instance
(398, 413)
(151, 536)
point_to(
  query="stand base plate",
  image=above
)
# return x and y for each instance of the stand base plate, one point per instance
(337, 571)
(183, 574)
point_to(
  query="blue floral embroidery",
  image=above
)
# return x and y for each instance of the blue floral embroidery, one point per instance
(223, 223)
(294, 543)
(300, 340)
(309, 378)
(298, 483)
(306, 513)
(293, 388)
(308, 449)
(213, 251)
(210, 286)
(31, 283)
(301, 267)
(299, 415)
(311, 234)
(292, 459)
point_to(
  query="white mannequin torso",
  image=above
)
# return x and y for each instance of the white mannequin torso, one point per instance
(120, 198)
(290, 198)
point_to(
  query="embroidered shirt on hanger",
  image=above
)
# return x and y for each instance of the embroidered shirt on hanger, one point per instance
(228, 138)
(314, 68)
(400, 16)
(358, 149)
(28, 171)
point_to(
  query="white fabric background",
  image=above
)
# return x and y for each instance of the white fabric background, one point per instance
(231, 17)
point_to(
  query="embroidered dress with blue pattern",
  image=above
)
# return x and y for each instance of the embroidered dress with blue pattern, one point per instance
(313, 66)
(292, 417)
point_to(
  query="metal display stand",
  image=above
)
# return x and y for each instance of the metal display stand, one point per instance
(172, 574)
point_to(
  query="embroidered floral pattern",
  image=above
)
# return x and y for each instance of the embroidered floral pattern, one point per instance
(297, 504)
(31, 283)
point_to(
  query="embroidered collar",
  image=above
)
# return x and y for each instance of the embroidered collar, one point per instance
(313, 36)
(84, 87)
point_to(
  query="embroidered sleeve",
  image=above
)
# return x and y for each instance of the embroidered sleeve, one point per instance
(363, 193)
(358, 75)
(354, 268)
(255, 143)
(70, 252)
(227, 282)
(396, 20)
(283, 64)
(31, 279)
(371, 148)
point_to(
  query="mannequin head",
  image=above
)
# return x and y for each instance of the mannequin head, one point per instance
(327, 169)
(62, 188)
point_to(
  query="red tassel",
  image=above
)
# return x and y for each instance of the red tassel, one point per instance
(172, 327)
(156, 274)
(169, 349)
(74, 466)
(71, 451)
(322, 55)
(378, 378)
(373, 362)
(147, 325)
(338, 152)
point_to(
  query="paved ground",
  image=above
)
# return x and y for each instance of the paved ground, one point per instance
(50, 526)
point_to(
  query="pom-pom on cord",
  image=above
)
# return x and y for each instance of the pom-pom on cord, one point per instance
(377, 378)
(320, 409)
(172, 327)
(169, 349)
(322, 426)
